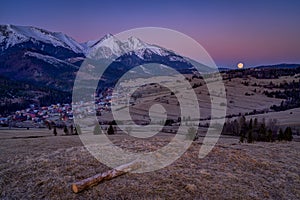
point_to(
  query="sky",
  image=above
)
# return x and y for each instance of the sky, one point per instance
(253, 32)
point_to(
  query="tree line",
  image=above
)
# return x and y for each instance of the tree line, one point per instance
(254, 130)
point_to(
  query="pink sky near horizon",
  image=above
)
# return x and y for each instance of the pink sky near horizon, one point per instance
(254, 32)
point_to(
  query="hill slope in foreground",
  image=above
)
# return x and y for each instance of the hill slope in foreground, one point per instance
(35, 165)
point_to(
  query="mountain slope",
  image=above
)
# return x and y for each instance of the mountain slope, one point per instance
(38, 56)
(133, 52)
(52, 59)
(11, 35)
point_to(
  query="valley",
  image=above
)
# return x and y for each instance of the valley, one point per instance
(51, 120)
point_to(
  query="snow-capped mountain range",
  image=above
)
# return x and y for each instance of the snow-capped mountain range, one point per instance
(49, 58)
(11, 35)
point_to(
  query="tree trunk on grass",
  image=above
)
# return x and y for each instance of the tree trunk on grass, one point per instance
(96, 179)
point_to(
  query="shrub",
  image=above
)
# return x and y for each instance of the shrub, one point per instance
(223, 104)
(128, 129)
(97, 129)
(191, 135)
(77, 129)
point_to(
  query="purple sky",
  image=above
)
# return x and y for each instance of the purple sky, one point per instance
(254, 32)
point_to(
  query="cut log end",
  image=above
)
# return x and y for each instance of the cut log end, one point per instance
(75, 188)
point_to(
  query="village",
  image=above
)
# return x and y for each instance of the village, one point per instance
(61, 113)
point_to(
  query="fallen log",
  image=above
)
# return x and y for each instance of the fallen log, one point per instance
(96, 179)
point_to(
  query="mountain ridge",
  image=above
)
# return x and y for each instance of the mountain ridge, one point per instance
(50, 60)
(12, 35)
(28, 53)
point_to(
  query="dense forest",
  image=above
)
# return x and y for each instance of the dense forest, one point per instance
(15, 95)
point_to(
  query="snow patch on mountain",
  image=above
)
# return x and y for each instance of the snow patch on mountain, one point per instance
(49, 59)
(110, 47)
(177, 58)
(107, 47)
(145, 69)
(11, 35)
(75, 46)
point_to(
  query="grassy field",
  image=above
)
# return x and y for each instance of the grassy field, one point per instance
(236, 98)
(37, 165)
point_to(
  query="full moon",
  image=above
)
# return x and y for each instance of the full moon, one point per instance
(240, 65)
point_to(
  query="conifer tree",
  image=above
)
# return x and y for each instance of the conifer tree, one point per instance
(66, 131)
(242, 137)
(269, 135)
(250, 124)
(255, 123)
(280, 135)
(97, 129)
(110, 130)
(250, 137)
(288, 135)
(262, 132)
(54, 131)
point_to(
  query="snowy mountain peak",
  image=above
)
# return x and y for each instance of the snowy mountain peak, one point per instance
(109, 35)
(11, 35)
(111, 47)
(107, 47)
(93, 43)
(135, 43)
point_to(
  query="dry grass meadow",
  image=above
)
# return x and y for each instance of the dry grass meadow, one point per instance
(37, 165)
